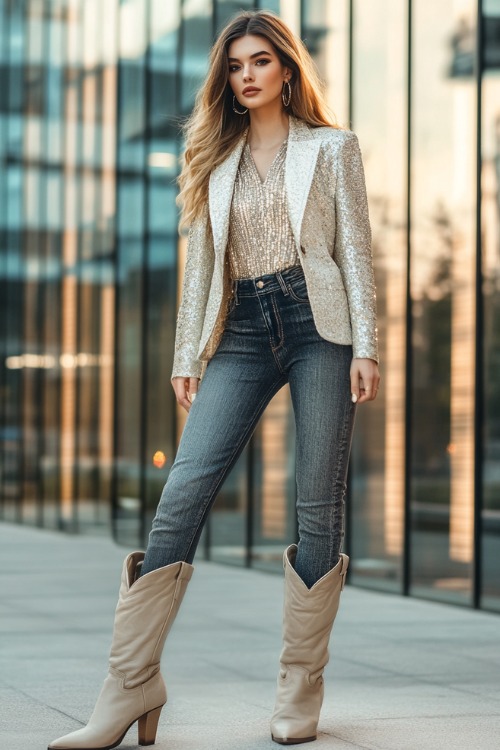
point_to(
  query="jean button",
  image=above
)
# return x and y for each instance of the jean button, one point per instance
(260, 284)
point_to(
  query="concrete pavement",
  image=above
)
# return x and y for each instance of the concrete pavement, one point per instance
(404, 674)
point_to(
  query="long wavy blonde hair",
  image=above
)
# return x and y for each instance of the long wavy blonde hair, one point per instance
(213, 129)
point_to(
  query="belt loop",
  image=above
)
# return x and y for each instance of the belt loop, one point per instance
(282, 283)
(235, 291)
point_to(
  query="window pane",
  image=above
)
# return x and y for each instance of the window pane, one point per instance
(131, 230)
(443, 297)
(378, 462)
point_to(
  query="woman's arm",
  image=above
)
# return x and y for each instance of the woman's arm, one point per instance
(352, 252)
(195, 289)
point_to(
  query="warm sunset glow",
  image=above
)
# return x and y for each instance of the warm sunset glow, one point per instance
(274, 464)
(159, 459)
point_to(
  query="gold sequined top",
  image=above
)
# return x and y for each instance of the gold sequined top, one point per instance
(260, 237)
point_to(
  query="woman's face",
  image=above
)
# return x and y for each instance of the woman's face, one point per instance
(256, 74)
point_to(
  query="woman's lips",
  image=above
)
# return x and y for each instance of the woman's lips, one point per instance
(252, 92)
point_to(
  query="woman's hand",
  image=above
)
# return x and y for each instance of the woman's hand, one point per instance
(365, 379)
(185, 390)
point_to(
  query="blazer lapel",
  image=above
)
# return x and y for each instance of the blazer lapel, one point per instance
(220, 194)
(302, 154)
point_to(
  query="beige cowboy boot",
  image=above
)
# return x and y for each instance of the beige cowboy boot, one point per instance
(134, 689)
(308, 616)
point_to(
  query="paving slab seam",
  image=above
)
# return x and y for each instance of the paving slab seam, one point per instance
(412, 717)
(39, 702)
(421, 679)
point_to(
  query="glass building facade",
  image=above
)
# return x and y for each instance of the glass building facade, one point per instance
(91, 96)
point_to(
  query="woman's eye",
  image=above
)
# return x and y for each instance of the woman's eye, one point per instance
(263, 61)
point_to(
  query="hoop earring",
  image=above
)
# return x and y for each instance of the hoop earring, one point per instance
(238, 111)
(286, 97)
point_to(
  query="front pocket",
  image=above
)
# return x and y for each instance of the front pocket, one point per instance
(298, 290)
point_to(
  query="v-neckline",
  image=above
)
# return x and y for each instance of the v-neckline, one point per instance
(262, 182)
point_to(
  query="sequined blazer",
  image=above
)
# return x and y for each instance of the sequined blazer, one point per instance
(328, 212)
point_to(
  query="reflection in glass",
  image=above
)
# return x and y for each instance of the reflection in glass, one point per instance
(196, 43)
(378, 462)
(325, 31)
(443, 295)
(274, 516)
(225, 9)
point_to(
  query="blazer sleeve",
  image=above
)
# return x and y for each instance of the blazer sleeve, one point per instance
(195, 290)
(353, 252)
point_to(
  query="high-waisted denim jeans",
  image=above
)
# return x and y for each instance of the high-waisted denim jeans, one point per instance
(269, 339)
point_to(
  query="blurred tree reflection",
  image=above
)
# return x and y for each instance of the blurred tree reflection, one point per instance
(431, 369)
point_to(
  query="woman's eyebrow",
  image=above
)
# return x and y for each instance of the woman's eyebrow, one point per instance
(255, 54)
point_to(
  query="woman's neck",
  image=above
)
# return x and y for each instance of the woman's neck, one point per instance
(267, 129)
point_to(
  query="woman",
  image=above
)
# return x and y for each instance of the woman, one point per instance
(278, 288)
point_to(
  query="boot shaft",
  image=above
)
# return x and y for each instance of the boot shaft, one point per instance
(309, 614)
(145, 612)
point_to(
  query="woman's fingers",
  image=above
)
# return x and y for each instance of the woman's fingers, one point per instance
(368, 392)
(185, 390)
(355, 383)
(193, 388)
(365, 379)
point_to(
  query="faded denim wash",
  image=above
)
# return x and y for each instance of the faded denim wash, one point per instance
(270, 338)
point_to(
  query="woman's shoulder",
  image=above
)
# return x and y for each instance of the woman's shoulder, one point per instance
(337, 143)
(334, 136)
(334, 140)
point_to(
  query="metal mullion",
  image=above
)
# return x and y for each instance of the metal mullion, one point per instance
(79, 169)
(350, 66)
(97, 282)
(409, 327)
(43, 213)
(214, 17)
(22, 318)
(21, 322)
(143, 417)
(58, 401)
(5, 244)
(479, 332)
(39, 377)
(37, 384)
(117, 298)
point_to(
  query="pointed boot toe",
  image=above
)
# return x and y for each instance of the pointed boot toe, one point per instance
(134, 690)
(116, 710)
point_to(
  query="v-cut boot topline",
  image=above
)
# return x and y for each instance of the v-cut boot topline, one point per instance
(308, 616)
(134, 689)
